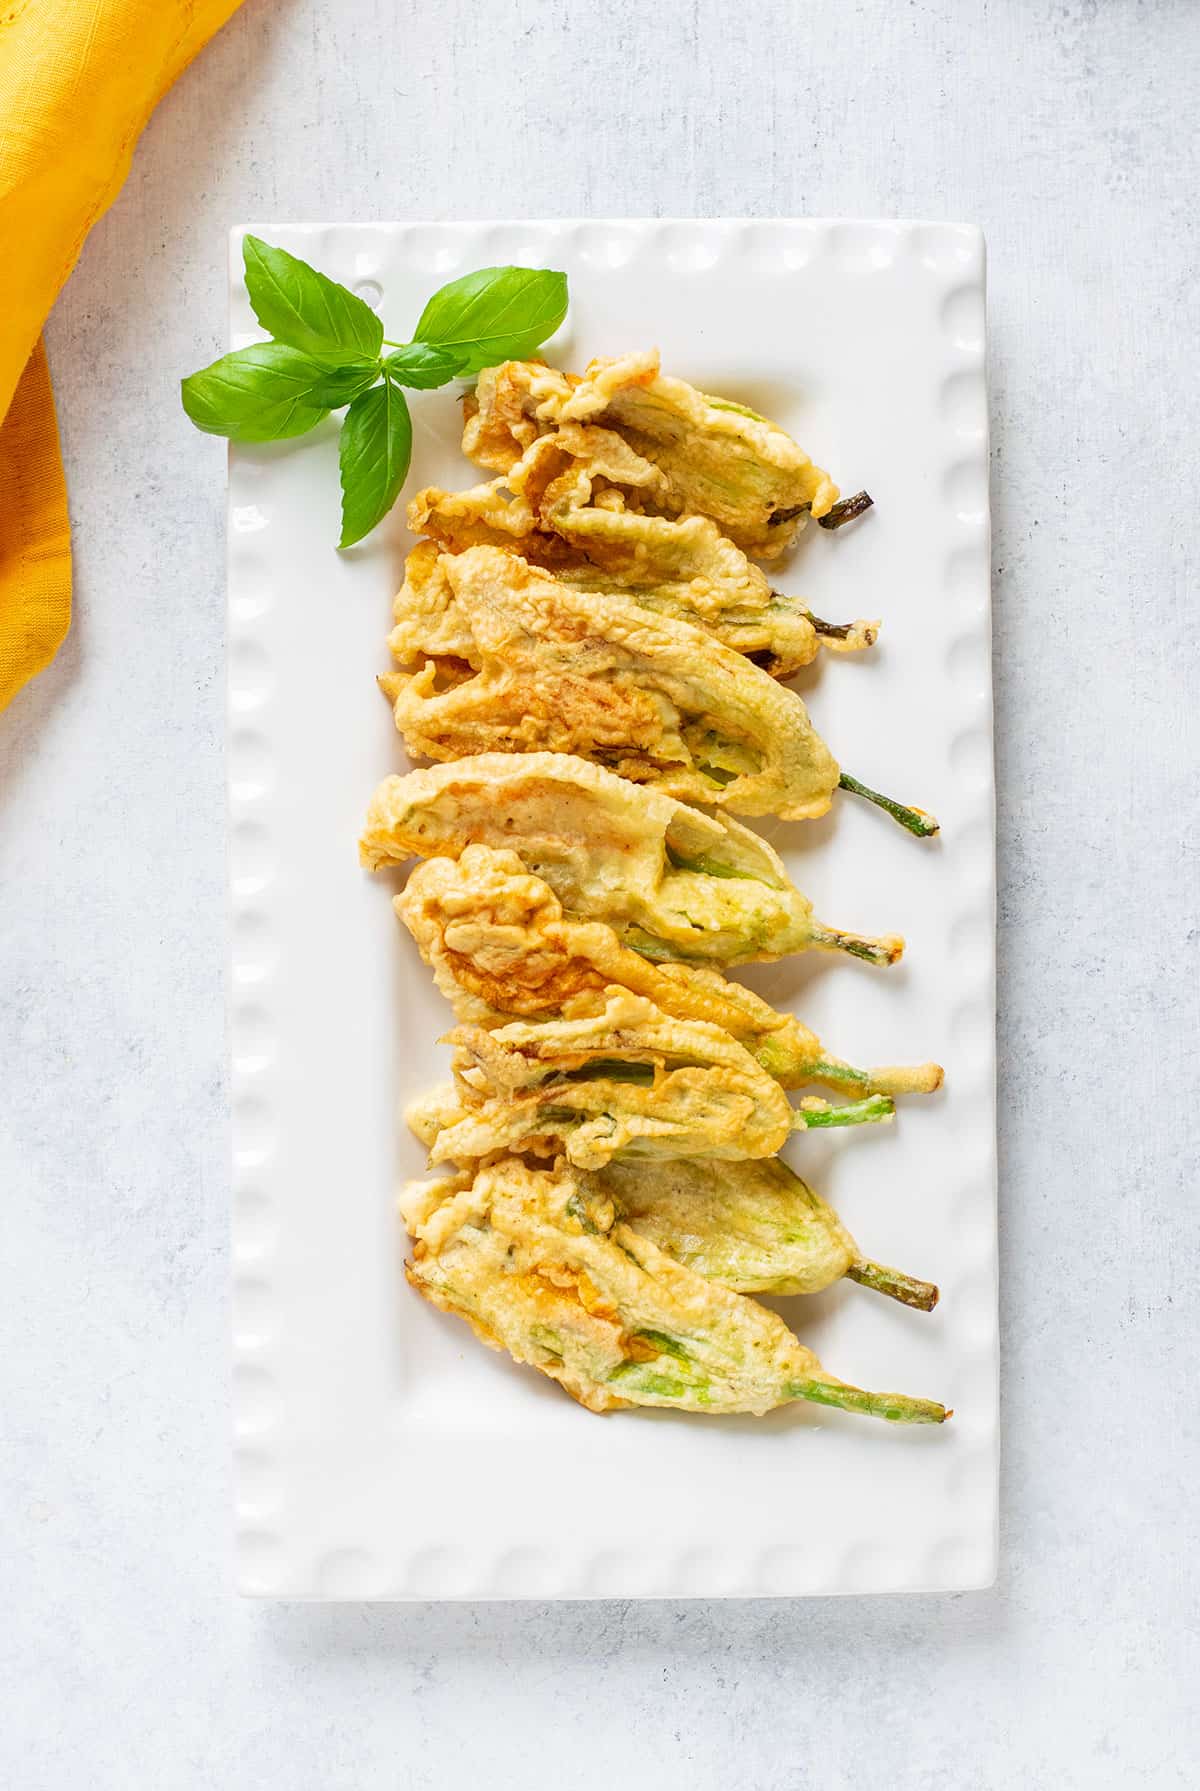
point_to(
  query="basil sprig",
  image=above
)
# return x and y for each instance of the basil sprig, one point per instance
(497, 314)
(373, 454)
(327, 350)
(296, 304)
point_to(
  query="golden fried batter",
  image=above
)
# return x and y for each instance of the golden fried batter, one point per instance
(538, 1268)
(672, 881)
(626, 1079)
(500, 946)
(618, 1078)
(654, 699)
(754, 1227)
(717, 459)
(574, 506)
(592, 610)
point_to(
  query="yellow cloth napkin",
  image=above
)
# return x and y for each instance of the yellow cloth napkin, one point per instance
(78, 80)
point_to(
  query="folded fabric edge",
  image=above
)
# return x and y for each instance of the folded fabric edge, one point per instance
(35, 538)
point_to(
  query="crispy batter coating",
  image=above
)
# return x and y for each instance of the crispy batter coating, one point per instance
(574, 506)
(427, 616)
(539, 1268)
(754, 1226)
(717, 459)
(615, 1077)
(672, 881)
(590, 611)
(593, 674)
(500, 946)
(621, 1079)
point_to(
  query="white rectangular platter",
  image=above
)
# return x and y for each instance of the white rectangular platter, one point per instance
(381, 1452)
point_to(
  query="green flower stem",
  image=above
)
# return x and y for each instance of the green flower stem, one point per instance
(854, 1113)
(897, 1286)
(875, 951)
(846, 509)
(915, 819)
(897, 1408)
(903, 1079)
(835, 631)
(839, 1075)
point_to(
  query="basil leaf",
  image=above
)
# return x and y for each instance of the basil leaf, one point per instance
(296, 304)
(257, 394)
(423, 364)
(373, 455)
(496, 314)
(338, 385)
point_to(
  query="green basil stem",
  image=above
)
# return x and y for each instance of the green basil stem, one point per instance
(914, 819)
(896, 1285)
(897, 1408)
(854, 1113)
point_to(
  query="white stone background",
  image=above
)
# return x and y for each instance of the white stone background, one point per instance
(1068, 132)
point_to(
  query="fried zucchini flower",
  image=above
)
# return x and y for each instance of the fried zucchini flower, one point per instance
(589, 673)
(618, 1078)
(754, 1227)
(575, 505)
(512, 657)
(553, 1277)
(671, 881)
(501, 947)
(716, 458)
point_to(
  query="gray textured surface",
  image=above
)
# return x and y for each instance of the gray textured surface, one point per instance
(1067, 131)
